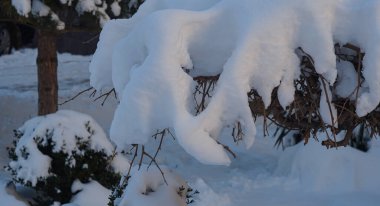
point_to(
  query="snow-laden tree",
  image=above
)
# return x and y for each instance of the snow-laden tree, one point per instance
(53, 17)
(203, 67)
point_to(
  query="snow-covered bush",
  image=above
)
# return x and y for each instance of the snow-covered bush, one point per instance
(306, 65)
(55, 153)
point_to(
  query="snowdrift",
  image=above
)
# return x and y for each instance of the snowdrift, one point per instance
(332, 171)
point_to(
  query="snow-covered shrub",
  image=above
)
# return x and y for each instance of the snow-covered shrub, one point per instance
(269, 50)
(52, 152)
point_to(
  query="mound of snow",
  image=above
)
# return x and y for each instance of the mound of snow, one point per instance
(207, 196)
(331, 170)
(92, 193)
(147, 187)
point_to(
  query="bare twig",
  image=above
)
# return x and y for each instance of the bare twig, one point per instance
(106, 95)
(118, 191)
(162, 133)
(77, 95)
(142, 156)
(333, 143)
(205, 86)
(227, 149)
(329, 106)
(158, 167)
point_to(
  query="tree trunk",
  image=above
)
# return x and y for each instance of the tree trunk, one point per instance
(47, 73)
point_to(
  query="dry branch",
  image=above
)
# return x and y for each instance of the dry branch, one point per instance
(302, 116)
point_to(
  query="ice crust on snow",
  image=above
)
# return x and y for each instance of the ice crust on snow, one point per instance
(62, 127)
(250, 43)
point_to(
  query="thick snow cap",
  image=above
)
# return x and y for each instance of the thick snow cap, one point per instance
(250, 43)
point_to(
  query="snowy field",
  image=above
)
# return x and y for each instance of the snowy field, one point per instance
(263, 175)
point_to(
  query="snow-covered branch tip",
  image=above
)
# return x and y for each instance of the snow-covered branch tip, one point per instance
(103, 10)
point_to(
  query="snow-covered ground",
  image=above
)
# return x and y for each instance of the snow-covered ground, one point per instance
(263, 175)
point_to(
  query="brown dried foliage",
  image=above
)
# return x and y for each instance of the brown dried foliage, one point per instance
(302, 115)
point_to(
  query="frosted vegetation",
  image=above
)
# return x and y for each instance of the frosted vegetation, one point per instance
(59, 128)
(97, 8)
(74, 135)
(300, 175)
(55, 153)
(152, 59)
(155, 62)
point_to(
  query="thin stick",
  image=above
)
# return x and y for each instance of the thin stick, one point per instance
(159, 146)
(77, 95)
(159, 168)
(330, 109)
(227, 149)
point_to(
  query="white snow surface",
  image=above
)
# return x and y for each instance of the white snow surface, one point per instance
(334, 171)
(148, 187)
(72, 79)
(91, 193)
(250, 43)
(301, 175)
(207, 196)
